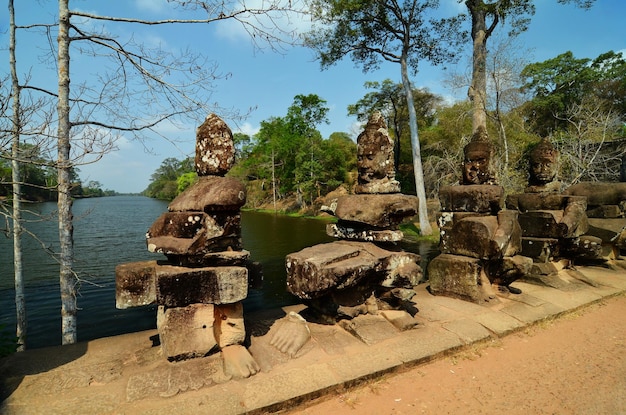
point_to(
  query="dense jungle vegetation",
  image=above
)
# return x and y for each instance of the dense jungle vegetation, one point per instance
(579, 103)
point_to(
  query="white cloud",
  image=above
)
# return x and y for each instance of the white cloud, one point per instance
(248, 129)
(282, 25)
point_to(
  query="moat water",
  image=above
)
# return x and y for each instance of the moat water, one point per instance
(111, 230)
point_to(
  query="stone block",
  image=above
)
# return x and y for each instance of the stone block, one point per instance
(400, 319)
(505, 271)
(540, 249)
(314, 271)
(605, 211)
(194, 233)
(525, 202)
(135, 284)
(210, 194)
(356, 233)
(480, 198)
(473, 237)
(459, 277)
(370, 329)
(542, 223)
(377, 210)
(599, 193)
(342, 265)
(181, 286)
(609, 230)
(186, 332)
(229, 324)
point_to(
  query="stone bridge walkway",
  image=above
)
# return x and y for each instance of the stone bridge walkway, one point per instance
(128, 375)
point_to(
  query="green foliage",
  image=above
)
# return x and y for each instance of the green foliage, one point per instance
(39, 177)
(370, 31)
(559, 84)
(185, 180)
(164, 184)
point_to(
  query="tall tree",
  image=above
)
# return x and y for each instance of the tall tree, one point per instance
(396, 31)
(486, 15)
(20, 300)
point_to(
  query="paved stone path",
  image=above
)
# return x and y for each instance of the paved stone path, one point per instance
(128, 375)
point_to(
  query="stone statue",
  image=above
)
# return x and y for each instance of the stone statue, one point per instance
(200, 287)
(542, 168)
(479, 241)
(363, 272)
(606, 212)
(375, 165)
(477, 155)
(552, 222)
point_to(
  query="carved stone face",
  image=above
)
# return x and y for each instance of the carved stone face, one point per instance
(372, 167)
(476, 167)
(542, 170)
(543, 164)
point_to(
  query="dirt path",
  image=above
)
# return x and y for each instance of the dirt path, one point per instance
(574, 365)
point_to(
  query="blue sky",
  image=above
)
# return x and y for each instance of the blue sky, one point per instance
(268, 81)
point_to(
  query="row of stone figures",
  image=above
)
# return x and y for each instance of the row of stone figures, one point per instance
(487, 240)
(484, 247)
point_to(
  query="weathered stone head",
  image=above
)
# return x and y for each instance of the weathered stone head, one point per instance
(215, 149)
(543, 164)
(375, 163)
(477, 160)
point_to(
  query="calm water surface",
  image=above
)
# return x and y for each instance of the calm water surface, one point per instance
(111, 230)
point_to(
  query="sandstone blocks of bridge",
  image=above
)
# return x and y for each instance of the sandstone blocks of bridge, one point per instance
(200, 286)
(606, 212)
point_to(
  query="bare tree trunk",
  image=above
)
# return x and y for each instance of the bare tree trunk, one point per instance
(67, 277)
(16, 129)
(418, 171)
(273, 181)
(477, 92)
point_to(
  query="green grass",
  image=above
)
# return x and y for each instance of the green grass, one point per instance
(412, 232)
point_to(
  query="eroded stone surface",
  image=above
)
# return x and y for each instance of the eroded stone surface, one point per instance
(194, 233)
(480, 198)
(381, 211)
(135, 284)
(211, 193)
(186, 331)
(336, 266)
(375, 164)
(215, 149)
(182, 286)
(352, 231)
(460, 277)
